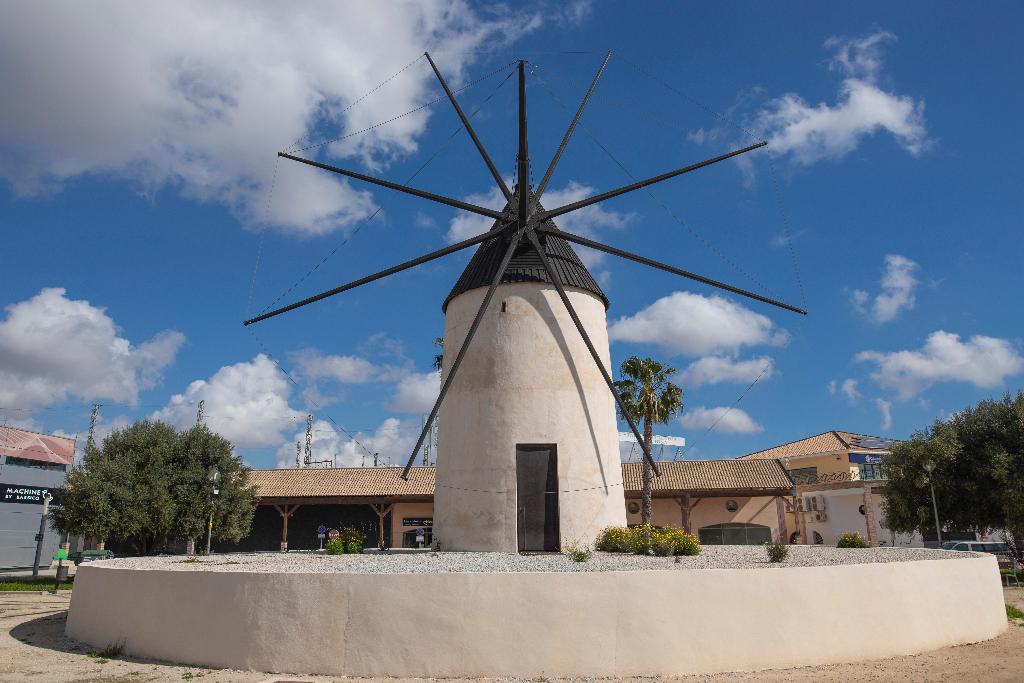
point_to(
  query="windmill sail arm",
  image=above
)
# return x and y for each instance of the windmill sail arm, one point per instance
(572, 127)
(499, 273)
(458, 246)
(556, 281)
(423, 194)
(569, 237)
(589, 201)
(469, 129)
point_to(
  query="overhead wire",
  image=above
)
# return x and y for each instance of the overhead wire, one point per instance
(444, 146)
(780, 205)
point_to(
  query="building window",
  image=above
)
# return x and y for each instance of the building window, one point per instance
(633, 507)
(36, 464)
(818, 540)
(731, 506)
(804, 475)
(734, 533)
(868, 472)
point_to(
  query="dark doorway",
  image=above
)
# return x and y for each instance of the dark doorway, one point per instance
(537, 497)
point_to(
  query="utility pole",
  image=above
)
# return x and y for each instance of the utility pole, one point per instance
(214, 476)
(90, 442)
(309, 440)
(199, 412)
(42, 531)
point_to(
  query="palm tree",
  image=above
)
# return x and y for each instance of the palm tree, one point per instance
(439, 358)
(648, 395)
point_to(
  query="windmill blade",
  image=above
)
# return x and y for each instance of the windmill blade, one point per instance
(376, 276)
(423, 194)
(569, 237)
(572, 127)
(590, 346)
(469, 129)
(465, 345)
(644, 183)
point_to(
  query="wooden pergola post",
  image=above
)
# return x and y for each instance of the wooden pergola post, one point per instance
(382, 511)
(286, 511)
(685, 508)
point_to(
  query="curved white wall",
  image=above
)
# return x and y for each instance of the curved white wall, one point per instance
(527, 378)
(629, 623)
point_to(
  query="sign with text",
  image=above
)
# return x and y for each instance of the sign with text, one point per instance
(29, 495)
(417, 521)
(866, 458)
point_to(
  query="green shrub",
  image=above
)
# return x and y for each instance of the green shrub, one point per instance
(645, 539)
(354, 547)
(682, 543)
(334, 547)
(641, 539)
(1013, 613)
(777, 552)
(578, 553)
(615, 539)
(852, 539)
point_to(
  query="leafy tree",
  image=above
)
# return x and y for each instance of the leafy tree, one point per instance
(977, 462)
(149, 485)
(648, 395)
(197, 453)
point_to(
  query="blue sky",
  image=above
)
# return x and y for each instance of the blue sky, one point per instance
(139, 190)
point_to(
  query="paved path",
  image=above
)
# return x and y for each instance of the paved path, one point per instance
(33, 648)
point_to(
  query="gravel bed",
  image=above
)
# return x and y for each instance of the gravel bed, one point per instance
(711, 557)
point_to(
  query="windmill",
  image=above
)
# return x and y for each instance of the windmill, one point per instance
(530, 417)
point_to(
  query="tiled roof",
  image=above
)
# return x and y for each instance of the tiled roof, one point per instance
(689, 475)
(525, 266)
(826, 442)
(19, 443)
(710, 475)
(342, 481)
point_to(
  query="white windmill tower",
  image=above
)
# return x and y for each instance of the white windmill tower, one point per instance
(528, 453)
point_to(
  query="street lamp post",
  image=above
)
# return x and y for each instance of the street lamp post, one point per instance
(929, 467)
(214, 476)
(47, 497)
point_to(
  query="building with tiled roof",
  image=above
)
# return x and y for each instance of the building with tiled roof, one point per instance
(733, 501)
(827, 442)
(840, 477)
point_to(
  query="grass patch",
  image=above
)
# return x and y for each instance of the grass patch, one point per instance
(190, 560)
(29, 584)
(112, 651)
(1013, 613)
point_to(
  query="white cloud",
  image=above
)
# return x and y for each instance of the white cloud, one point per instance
(53, 347)
(697, 325)
(811, 133)
(198, 97)
(897, 295)
(832, 386)
(983, 361)
(716, 369)
(885, 407)
(588, 222)
(721, 419)
(849, 390)
(311, 365)
(246, 403)
(416, 392)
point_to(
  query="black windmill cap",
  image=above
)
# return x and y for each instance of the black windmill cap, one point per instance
(525, 265)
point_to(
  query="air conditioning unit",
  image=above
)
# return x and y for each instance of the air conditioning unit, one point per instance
(814, 503)
(820, 516)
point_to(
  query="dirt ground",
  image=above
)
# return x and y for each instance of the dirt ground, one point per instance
(33, 648)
